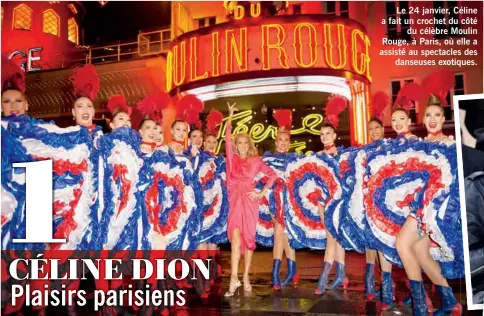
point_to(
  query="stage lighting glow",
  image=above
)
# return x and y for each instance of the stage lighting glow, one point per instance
(328, 84)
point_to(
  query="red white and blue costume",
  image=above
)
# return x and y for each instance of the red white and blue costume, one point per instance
(415, 178)
(350, 233)
(312, 180)
(120, 162)
(13, 183)
(212, 201)
(74, 177)
(167, 200)
(271, 206)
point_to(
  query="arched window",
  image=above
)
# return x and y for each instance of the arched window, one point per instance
(50, 22)
(22, 17)
(73, 31)
(72, 8)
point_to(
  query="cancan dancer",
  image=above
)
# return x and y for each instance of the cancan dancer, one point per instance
(401, 122)
(14, 117)
(121, 160)
(148, 130)
(376, 131)
(278, 162)
(334, 251)
(409, 243)
(14, 100)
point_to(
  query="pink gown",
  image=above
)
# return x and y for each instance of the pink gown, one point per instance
(243, 212)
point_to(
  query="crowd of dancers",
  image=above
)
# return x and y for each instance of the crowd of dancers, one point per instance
(128, 189)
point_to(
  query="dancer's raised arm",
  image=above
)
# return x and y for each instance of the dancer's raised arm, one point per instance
(229, 151)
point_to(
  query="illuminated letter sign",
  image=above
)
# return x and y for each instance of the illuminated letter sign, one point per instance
(274, 43)
(193, 61)
(299, 47)
(240, 51)
(329, 51)
(169, 72)
(255, 9)
(259, 132)
(179, 63)
(215, 55)
(239, 11)
(267, 45)
(28, 65)
(361, 60)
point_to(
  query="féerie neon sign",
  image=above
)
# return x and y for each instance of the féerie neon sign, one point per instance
(259, 132)
(243, 47)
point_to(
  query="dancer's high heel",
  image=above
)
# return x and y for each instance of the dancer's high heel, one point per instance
(450, 306)
(430, 306)
(370, 281)
(295, 281)
(276, 269)
(408, 300)
(340, 278)
(291, 273)
(323, 279)
(233, 287)
(418, 298)
(386, 291)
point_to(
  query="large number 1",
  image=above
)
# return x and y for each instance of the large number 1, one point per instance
(38, 202)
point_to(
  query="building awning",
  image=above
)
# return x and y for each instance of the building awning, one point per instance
(50, 93)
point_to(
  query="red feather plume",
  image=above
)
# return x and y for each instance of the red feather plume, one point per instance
(335, 106)
(439, 83)
(136, 118)
(214, 118)
(85, 81)
(188, 108)
(153, 105)
(408, 94)
(118, 102)
(198, 124)
(12, 75)
(379, 101)
(283, 118)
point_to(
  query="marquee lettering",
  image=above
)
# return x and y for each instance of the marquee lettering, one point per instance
(240, 51)
(169, 72)
(28, 65)
(299, 47)
(215, 55)
(256, 47)
(193, 61)
(267, 45)
(255, 9)
(239, 11)
(361, 61)
(178, 63)
(329, 52)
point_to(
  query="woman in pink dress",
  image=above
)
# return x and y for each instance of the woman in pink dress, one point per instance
(242, 166)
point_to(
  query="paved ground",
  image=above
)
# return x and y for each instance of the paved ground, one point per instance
(297, 301)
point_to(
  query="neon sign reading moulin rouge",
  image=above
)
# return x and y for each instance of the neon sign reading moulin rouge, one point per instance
(293, 45)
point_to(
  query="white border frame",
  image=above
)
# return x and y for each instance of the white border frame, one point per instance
(456, 99)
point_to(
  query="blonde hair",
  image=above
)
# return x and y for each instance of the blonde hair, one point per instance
(252, 149)
(435, 101)
(282, 130)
